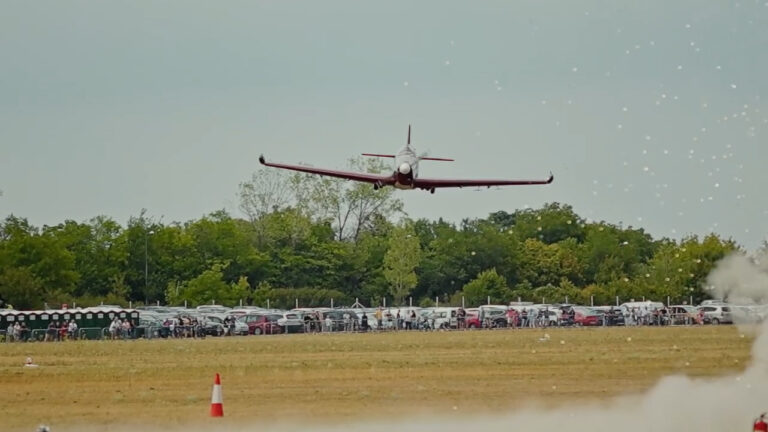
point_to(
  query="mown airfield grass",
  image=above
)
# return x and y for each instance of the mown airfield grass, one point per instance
(329, 378)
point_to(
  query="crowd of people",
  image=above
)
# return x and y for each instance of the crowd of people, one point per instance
(56, 331)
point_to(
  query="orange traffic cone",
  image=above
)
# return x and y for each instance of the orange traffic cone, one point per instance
(217, 404)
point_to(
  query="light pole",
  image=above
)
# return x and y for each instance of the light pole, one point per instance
(146, 263)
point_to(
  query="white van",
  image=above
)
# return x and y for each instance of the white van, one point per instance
(443, 318)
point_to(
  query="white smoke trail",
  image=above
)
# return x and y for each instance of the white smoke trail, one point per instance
(741, 279)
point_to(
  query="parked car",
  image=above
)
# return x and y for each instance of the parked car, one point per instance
(240, 327)
(214, 309)
(682, 314)
(487, 317)
(585, 316)
(151, 326)
(716, 314)
(262, 323)
(291, 322)
(442, 318)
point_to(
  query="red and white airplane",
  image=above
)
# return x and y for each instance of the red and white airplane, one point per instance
(406, 173)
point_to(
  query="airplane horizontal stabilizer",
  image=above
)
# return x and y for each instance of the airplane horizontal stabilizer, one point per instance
(378, 155)
(436, 159)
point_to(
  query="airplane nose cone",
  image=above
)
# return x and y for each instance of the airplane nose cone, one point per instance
(404, 168)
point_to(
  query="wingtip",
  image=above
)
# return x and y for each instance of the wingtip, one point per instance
(551, 178)
(261, 159)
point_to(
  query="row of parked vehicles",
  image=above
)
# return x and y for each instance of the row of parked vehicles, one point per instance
(219, 320)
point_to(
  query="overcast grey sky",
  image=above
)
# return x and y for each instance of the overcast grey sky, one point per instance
(649, 113)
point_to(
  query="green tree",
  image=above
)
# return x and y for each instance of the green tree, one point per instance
(208, 287)
(21, 289)
(487, 284)
(400, 261)
(350, 207)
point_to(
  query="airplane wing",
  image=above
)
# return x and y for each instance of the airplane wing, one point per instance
(424, 183)
(376, 179)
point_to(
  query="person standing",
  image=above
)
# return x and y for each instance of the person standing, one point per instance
(17, 332)
(50, 333)
(364, 322)
(379, 316)
(532, 316)
(461, 318)
(407, 321)
(72, 330)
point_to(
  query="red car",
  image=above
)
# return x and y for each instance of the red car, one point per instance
(587, 317)
(263, 323)
(495, 319)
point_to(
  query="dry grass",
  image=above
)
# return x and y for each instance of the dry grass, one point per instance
(330, 377)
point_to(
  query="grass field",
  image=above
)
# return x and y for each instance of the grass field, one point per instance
(328, 378)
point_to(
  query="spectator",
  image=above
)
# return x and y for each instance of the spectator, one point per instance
(461, 318)
(50, 334)
(532, 316)
(512, 318)
(379, 316)
(63, 331)
(127, 329)
(407, 321)
(364, 322)
(17, 332)
(114, 328)
(231, 325)
(72, 330)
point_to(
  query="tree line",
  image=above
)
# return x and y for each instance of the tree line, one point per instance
(314, 239)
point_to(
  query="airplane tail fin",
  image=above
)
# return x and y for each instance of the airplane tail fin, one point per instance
(409, 134)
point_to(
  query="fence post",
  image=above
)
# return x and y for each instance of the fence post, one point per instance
(592, 300)
(667, 301)
(691, 298)
(410, 301)
(331, 302)
(617, 301)
(185, 304)
(566, 299)
(241, 302)
(130, 304)
(385, 301)
(437, 301)
(518, 299)
(267, 303)
(297, 303)
(488, 300)
(462, 301)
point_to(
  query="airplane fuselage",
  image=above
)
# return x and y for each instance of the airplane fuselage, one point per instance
(406, 167)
